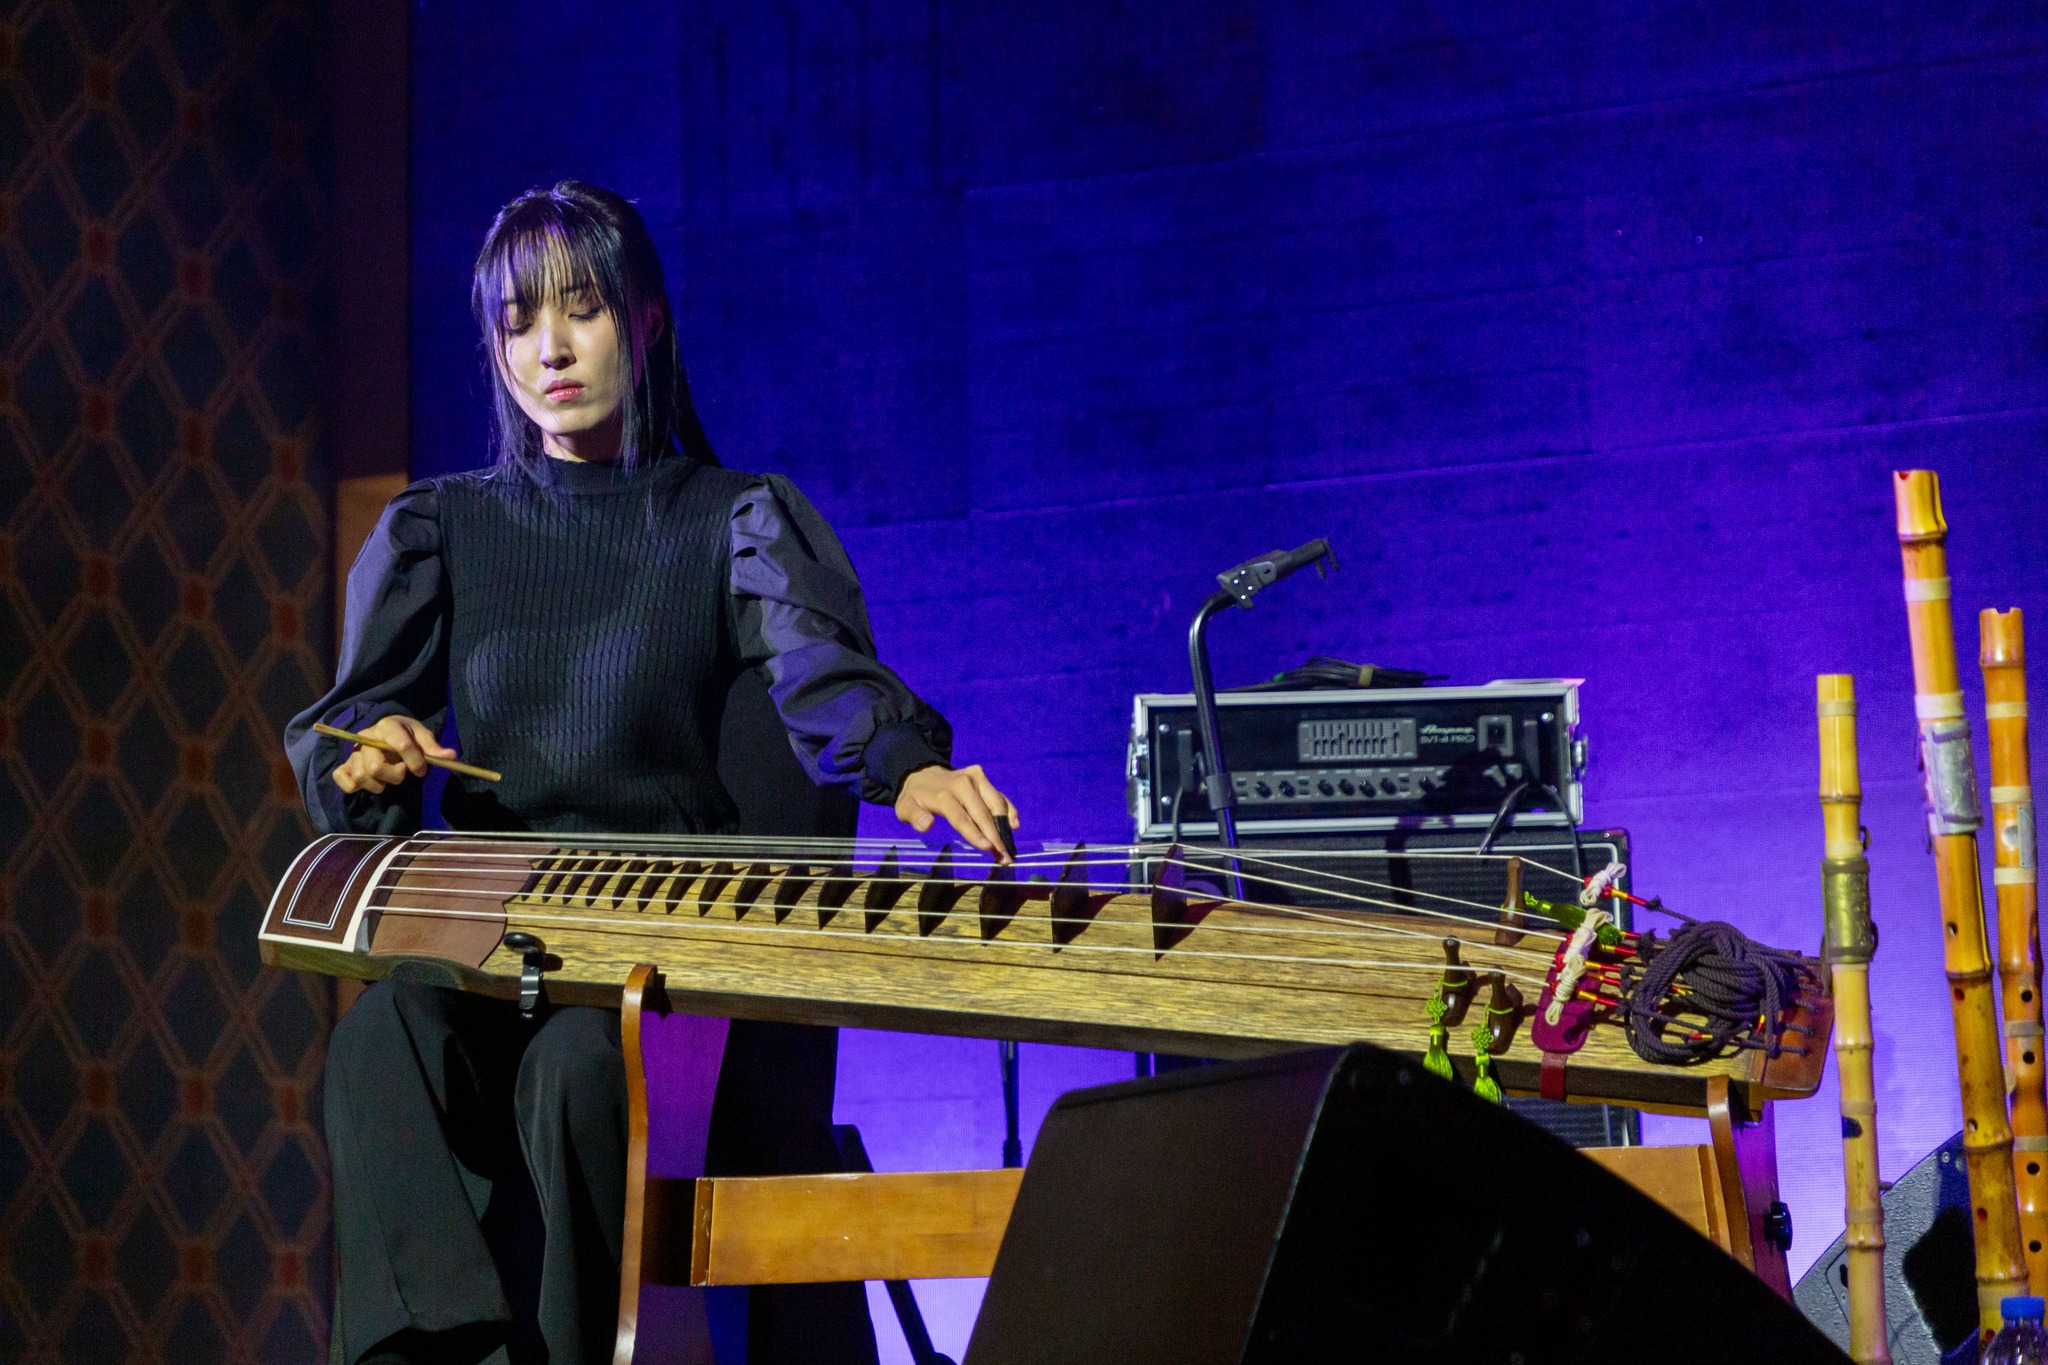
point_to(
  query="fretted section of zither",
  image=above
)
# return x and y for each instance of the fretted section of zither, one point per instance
(1135, 947)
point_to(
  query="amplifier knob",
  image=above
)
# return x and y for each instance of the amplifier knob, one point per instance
(1387, 785)
(1263, 790)
(1325, 788)
(1287, 789)
(1344, 785)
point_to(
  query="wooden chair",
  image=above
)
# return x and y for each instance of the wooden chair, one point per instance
(687, 1232)
(944, 1224)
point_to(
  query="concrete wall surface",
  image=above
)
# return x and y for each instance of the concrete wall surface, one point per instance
(1588, 333)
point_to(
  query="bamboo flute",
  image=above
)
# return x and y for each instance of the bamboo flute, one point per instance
(1952, 821)
(1845, 889)
(2002, 652)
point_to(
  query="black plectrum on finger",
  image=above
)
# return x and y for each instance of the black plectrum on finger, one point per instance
(1009, 836)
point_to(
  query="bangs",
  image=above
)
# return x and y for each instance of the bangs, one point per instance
(576, 243)
(543, 257)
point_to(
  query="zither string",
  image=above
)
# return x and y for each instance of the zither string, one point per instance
(719, 928)
(852, 849)
(858, 942)
(668, 905)
(606, 879)
(726, 848)
(599, 868)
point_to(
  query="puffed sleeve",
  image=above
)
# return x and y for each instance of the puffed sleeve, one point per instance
(799, 617)
(394, 661)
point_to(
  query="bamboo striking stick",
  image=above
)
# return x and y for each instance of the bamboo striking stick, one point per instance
(1845, 886)
(2003, 655)
(466, 769)
(1952, 821)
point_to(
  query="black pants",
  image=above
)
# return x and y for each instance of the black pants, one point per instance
(449, 1118)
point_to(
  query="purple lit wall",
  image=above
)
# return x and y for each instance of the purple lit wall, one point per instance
(1588, 339)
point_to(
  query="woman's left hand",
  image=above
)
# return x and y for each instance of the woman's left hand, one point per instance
(968, 800)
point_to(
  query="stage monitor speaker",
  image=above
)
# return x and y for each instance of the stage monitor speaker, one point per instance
(1930, 1268)
(1345, 1205)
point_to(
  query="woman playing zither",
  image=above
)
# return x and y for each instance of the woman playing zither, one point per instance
(579, 611)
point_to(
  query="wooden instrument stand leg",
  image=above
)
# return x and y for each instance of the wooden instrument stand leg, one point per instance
(656, 1250)
(1746, 1152)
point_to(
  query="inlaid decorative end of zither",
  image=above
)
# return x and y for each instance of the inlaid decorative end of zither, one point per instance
(1135, 947)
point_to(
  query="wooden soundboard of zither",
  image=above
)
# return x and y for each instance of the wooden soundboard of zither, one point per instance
(1219, 985)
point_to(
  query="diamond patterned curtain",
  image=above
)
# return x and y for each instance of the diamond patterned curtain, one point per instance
(163, 591)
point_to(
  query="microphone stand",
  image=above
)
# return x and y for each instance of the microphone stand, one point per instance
(1013, 1145)
(1217, 785)
(1240, 586)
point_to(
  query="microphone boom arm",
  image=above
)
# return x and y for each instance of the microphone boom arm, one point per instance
(1240, 586)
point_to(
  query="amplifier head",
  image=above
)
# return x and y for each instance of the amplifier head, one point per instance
(1363, 759)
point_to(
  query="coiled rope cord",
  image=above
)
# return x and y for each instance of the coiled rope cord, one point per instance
(1735, 987)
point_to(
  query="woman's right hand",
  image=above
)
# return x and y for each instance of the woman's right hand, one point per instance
(372, 770)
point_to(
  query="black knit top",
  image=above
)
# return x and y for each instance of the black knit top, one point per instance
(583, 635)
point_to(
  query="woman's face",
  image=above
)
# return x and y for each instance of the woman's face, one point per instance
(570, 371)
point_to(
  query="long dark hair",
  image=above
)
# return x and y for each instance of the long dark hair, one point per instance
(548, 242)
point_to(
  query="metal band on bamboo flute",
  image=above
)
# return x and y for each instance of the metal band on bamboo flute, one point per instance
(1850, 942)
(2002, 652)
(1952, 821)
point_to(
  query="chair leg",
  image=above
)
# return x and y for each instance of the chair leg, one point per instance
(675, 1119)
(1746, 1152)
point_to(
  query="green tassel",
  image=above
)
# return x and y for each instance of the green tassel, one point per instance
(1570, 916)
(1437, 1061)
(1484, 1085)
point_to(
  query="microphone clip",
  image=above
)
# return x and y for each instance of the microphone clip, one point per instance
(1244, 582)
